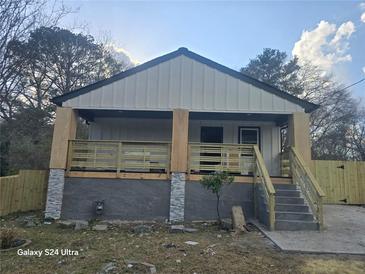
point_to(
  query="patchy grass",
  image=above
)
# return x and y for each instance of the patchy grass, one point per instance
(217, 252)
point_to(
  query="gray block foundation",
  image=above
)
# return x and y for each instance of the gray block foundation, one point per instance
(177, 197)
(56, 183)
(147, 200)
(130, 200)
(200, 203)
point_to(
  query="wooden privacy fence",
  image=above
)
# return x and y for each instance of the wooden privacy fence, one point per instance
(23, 192)
(342, 181)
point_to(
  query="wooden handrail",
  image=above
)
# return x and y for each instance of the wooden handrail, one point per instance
(268, 187)
(308, 172)
(303, 177)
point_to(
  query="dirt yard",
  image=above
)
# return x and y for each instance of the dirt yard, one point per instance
(112, 251)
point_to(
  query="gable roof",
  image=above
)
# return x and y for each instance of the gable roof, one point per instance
(308, 106)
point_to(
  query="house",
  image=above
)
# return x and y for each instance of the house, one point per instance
(156, 129)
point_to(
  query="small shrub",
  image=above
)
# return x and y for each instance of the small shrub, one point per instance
(7, 237)
(215, 182)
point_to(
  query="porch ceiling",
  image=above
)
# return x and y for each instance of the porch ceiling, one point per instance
(90, 115)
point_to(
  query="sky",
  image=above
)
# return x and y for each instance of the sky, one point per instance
(330, 34)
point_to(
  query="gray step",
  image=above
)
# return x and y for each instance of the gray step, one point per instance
(289, 200)
(291, 225)
(288, 193)
(299, 216)
(285, 187)
(291, 207)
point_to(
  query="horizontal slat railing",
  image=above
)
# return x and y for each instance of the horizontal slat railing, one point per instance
(232, 158)
(267, 186)
(303, 177)
(85, 155)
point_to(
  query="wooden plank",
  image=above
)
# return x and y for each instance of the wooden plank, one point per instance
(121, 175)
(299, 135)
(347, 183)
(23, 192)
(64, 130)
(179, 146)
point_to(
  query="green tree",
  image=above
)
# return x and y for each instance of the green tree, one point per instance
(25, 141)
(215, 182)
(273, 67)
(56, 61)
(330, 124)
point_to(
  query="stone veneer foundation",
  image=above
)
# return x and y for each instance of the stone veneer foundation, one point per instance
(177, 197)
(56, 183)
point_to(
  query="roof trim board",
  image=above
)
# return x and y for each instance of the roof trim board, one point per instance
(308, 106)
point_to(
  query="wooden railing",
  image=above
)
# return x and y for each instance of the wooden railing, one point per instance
(303, 177)
(232, 158)
(260, 171)
(117, 156)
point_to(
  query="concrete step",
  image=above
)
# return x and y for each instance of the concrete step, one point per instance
(298, 216)
(289, 200)
(285, 187)
(288, 193)
(291, 207)
(292, 225)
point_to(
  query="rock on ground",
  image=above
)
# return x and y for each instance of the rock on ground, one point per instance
(79, 225)
(100, 227)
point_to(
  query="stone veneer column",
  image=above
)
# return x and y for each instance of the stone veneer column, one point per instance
(177, 197)
(64, 130)
(179, 158)
(56, 183)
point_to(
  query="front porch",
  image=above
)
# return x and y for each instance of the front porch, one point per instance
(152, 160)
(180, 147)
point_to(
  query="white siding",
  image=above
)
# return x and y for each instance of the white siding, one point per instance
(133, 129)
(183, 83)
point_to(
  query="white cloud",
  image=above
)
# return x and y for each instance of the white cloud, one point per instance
(362, 18)
(326, 45)
(363, 70)
(122, 54)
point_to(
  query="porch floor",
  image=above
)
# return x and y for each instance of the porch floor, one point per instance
(164, 176)
(343, 233)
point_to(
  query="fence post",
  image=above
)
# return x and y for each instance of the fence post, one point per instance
(119, 157)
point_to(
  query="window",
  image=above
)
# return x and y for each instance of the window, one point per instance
(211, 135)
(249, 135)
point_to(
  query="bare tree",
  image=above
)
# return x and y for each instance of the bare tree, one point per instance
(17, 19)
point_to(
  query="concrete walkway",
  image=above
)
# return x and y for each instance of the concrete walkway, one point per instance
(344, 233)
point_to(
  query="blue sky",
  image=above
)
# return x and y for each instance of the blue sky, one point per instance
(233, 32)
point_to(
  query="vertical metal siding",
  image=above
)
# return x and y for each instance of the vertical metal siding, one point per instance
(183, 83)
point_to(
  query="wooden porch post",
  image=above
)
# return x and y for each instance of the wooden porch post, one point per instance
(179, 147)
(299, 135)
(179, 164)
(64, 130)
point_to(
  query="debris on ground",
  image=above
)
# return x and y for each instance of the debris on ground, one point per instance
(108, 268)
(139, 229)
(226, 224)
(191, 243)
(181, 229)
(80, 225)
(169, 245)
(100, 227)
(66, 224)
(135, 264)
(238, 219)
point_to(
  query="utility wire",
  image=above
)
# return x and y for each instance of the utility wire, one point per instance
(358, 82)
